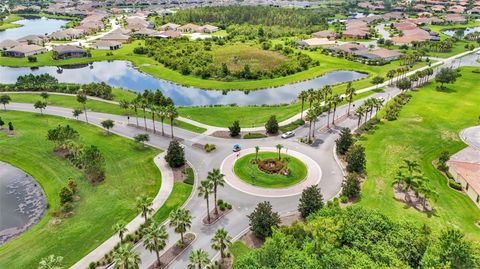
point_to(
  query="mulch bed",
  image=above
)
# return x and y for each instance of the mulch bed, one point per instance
(226, 134)
(172, 253)
(251, 240)
(410, 199)
(178, 173)
(158, 132)
(8, 132)
(214, 217)
(291, 218)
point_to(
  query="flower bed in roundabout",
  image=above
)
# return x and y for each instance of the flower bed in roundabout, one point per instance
(268, 171)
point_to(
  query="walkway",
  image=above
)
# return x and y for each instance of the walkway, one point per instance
(471, 136)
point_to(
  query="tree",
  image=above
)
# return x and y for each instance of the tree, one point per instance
(94, 164)
(302, 96)
(120, 229)
(107, 124)
(204, 190)
(125, 257)
(279, 148)
(262, 219)
(162, 114)
(172, 114)
(155, 238)
(40, 105)
(66, 195)
(82, 99)
(198, 259)
(311, 117)
(351, 186)
(234, 129)
(336, 99)
(175, 154)
(76, 113)
(125, 105)
(350, 92)
(134, 105)
(310, 201)
(257, 149)
(144, 203)
(51, 262)
(404, 84)
(221, 241)
(356, 160)
(378, 80)
(181, 220)
(5, 100)
(344, 142)
(60, 134)
(10, 126)
(272, 125)
(44, 95)
(446, 75)
(217, 179)
(142, 138)
(1, 123)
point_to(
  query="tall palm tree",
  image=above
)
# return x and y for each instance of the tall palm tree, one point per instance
(51, 262)
(359, 113)
(327, 91)
(279, 148)
(204, 190)
(221, 241)
(134, 105)
(390, 76)
(181, 219)
(162, 113)
(198, 259)
(302, 96)
(336, 99)
(125, 105)
(349, 94)
(143, 102)
(82, 99)
(317, 109)
(125, 258)
(143, 203)
(328, 105)
(257, 149)
(120, 228)
(311, 117)
(311, 97)
(172, 114)
(155, 239)
(218, 179)
(153, 110)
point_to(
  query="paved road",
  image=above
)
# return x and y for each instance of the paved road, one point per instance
(236, 222)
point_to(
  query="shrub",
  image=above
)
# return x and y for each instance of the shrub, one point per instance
(351, 186)
(455, 185)
(67, 207)
(356, 160)
(66, 195)
(209, 147)
(344, 142)
(272, 125)
(175, 154)
(235, 129)
(442, 161)
(310, 201)
(253, 136)
(343, 199)
(32, 59)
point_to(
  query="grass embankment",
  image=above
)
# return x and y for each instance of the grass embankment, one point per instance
(8, 22)
(130, 172)
(245, 169)
(429, 124)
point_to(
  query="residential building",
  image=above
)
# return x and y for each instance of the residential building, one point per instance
(24, 50)
(106, 45)
(68, 51)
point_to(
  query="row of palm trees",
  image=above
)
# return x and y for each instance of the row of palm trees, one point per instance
(221, 242)
(367, 109)
(209, 186)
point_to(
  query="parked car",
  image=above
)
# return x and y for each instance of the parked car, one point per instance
(236, 148)
(288, 134)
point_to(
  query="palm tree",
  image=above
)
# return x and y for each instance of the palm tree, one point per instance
(311, 97)
(120, 228)
(204, 190)
(82, 98)
(328, 105)
(143, 102)
(162, 113)
(427, 192)
(153, 110)
(181, 219)
(279, 148)
(125, 105)
(155, 238)
(302, 96)
(336, 99)
(390, 76)
(143, 203)
(257, 149)
(316, 111)
(218, 179)
(76, 113)
(51, 262)
(125, 258)
(134, 105)
(221, 241)
(409, 180)
(349, 94)
(172, 114)
(198, 259)
(359, 113)
(327, 91)
(311, 117)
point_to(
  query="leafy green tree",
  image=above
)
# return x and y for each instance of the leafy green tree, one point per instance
(351, 186)
(181, 220)
(5, 100)
(66, 195)
(442, 160)
(76, 113)
(378, 80)
(108, 124)
(61, 134)
(446, 75)
(121, 229)
(235, 129)
(155, 239)
(263, 219)
(10, 126)
(51, 262)
(94, 164)
(175, 154)
(82, 99)
(310, 201)
(125, 257)
(142, 138)
(272, 125)
(218, 180)
(344, 142)
(356, 159)
(204, 190)
(144, 203)
(221, 241)
(1, 123)
(44, 95)
(404, 84)
(198, 259)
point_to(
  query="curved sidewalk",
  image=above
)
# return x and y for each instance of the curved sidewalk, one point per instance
(471, 136)
(162, 195)
(314, 174)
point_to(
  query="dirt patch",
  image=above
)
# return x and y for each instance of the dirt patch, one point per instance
(54, 221)
(8, 132)
(251, 240)
(60, 152)
(172, 253)
(214, 217)
(411, 199)
(291, 218)
(223, 134)
(179, 173)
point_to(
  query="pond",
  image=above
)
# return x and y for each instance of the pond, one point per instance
(22, 202)
(123, 74)
(39, 26)
(466, 31)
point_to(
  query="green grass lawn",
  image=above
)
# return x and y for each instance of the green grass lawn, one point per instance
(9, 22)
(130, 172)
(238, 249)
(429, 124)
(244, 169)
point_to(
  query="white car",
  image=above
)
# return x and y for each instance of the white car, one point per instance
(288, 134)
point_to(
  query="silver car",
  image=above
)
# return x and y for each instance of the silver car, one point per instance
(288, 134)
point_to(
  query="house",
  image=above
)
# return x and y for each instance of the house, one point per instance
(437, 8)
(67, 34)
(419, 8)
(455, 18)
(356, 33)
(209, 29)
(409, 36)
(404, 25)
(456, 9)
(33, 39)
(348, 48)
(169, 34)
(8, 44)
(190, 28)
(325, 34)
(380, 53)
(316, 42)
(106, 45)
(68, 51)
(24, 50)
(464, 166)
(116, 37)
(169, 26)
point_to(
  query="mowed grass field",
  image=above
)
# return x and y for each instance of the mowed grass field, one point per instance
(239, 55)
(429, 124)
(130, 172)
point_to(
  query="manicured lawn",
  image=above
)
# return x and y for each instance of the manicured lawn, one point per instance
(130, 172)
(429, 124)
(238, 248)
(244, 169)
(181, 192)
(8, 22)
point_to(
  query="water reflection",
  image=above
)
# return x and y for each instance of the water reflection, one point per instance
(461, 31)
(123, 74)
(39, 26)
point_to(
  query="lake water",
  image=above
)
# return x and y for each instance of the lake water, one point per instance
(123, 74)
(39, 26)
(22, 202)
(451, 32)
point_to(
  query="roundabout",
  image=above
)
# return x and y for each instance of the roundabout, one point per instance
(293, 173)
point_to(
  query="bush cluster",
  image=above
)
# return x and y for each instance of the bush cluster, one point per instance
(391, 112)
